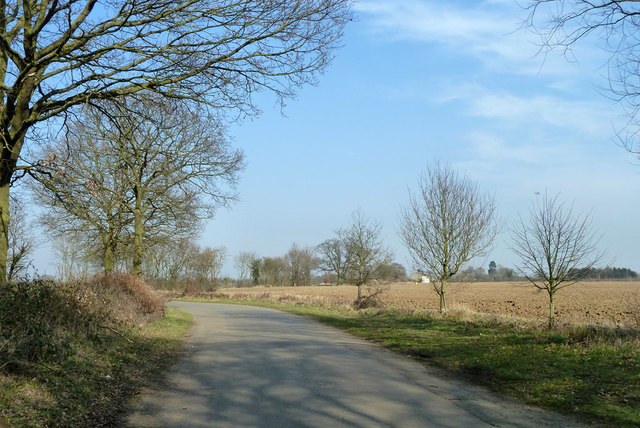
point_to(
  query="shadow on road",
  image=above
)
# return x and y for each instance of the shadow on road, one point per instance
(256, 367)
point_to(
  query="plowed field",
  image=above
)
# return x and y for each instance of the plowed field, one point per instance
(608, 302)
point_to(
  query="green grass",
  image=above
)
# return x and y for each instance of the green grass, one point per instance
(596, 377)
(90, 387)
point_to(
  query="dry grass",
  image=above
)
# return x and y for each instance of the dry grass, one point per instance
(41, 319)
(634, 308)
(607, 303)
(72, 354)
(128, 299)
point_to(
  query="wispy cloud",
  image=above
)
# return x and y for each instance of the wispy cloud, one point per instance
(560, 143)
(580, 117)
(489, 30)
(596, 117)
(429, 21)
(488, 146)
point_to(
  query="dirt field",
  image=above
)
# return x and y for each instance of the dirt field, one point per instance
(609, 302)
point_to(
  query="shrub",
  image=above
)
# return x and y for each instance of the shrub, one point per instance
(41, 320)
(370, 299)
(38, 320)
(125, 298)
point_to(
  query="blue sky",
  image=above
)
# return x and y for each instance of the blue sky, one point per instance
(419, 81)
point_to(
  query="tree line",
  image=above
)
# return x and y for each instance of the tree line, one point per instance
(446, 224)
(496, 272)
(64, 64)
(355, 255)
(146, 213)
(117, 112)
(613, 273)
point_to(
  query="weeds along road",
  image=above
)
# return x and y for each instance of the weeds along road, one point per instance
(254, 367)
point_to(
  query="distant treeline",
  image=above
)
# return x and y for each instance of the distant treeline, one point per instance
(501, 273)
(609, 273)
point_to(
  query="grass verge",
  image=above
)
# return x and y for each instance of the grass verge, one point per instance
(579, 370)
(91, 386)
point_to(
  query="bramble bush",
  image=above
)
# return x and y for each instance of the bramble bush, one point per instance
(37, 320)
(125, 299)
(40, 321)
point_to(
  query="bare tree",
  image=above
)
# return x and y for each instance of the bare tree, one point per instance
(21, 241)
(366, 251)
(302, 262)
(333, 258)
(243, 262)
(73, 261)
(445, 224)
(95, 217)
(274, 270)
(554, 247)
(56, 55)
(308, 264)
(170, 259)
(293, 258)
(143, 168)
(392, 272)
(207, 264)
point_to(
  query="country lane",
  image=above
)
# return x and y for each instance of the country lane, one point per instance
(247, 366)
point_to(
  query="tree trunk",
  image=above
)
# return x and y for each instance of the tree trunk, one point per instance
(4, 228)
(443, 299)
(8, 161)
(551, 310)
(359, 293)
(138, 234)
(108, 259)
(12, 137)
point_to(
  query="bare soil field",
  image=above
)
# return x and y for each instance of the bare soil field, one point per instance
(605, 302)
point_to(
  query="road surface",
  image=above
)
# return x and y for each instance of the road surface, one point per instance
(254, 367)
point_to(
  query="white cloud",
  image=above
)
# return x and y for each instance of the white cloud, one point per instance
(426, 21)
(597, 118)
(488, 146)
(489, 30)
(579, 116)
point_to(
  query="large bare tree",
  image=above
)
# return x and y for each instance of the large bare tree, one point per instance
(148, 167)
(58, 54)
(84, 194)
(446, 223)
(271, 271)
(169, 260)
(554, 247)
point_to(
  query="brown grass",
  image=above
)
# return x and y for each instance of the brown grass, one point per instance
(127, 299)
(606, 302)
(58, 343)
(39, 320)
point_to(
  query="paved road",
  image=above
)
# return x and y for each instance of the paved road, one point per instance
(254, 367)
